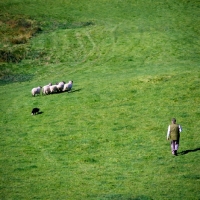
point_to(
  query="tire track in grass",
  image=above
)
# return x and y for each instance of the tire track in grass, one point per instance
(80, 40)
(95, 49)
(114, 32)
(90, 39)
(114, 39)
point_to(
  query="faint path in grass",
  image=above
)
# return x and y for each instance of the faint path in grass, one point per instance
(49, 158)
(90, 39)
(45, 154)
(80, 42)
(97, 48)
(114, 31)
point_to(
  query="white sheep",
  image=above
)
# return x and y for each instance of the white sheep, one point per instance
(68, 86)
(53, 88)
(60, 86)
(35, 91)
(46, 89)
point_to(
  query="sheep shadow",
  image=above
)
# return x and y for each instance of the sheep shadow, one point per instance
(67, 91)
(71, 91)
(189, 151)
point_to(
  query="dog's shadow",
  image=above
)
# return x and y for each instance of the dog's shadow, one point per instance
(40, 112)
(189, 151)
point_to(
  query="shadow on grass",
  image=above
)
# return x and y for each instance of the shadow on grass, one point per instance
(39, 113)
(13, 78)
(124, 197)
(74, 91)
(189, 151)
(70, 91)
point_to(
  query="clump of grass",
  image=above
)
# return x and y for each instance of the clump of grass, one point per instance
(14, 54)
(16, 31)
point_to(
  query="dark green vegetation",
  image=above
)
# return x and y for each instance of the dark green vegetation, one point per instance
(135, 65)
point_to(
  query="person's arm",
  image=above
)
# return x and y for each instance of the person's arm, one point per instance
(180, 128)
(168, 132)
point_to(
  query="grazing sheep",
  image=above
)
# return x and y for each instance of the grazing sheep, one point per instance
(35, 111)
(53, 88)
(35, 91)
(46, 89)
(68, 86)
(60, 86)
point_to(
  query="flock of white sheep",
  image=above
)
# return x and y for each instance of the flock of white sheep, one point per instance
(50, 89)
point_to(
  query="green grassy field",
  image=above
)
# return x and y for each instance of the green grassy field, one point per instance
(135, 65)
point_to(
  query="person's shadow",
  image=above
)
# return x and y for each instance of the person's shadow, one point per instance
(189, 151)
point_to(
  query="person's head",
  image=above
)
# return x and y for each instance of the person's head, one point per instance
(173, 120)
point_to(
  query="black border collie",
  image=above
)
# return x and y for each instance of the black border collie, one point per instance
(35, 111)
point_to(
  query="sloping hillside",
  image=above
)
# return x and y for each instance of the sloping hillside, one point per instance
(134, 66)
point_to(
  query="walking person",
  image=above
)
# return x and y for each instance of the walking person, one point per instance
(173, 134)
